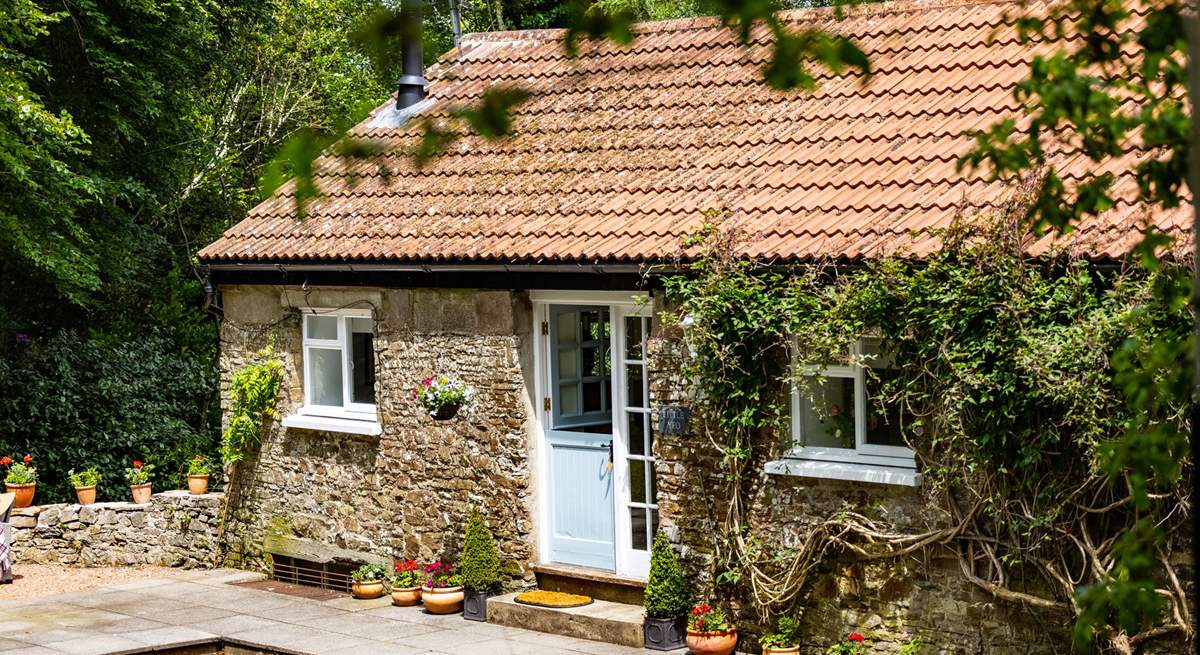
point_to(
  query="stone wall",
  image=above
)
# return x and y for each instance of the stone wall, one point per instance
(888, 601)
(174, 529)
(406, 492)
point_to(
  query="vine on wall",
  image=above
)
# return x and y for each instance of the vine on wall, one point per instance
(1017, 376)
(254, 390)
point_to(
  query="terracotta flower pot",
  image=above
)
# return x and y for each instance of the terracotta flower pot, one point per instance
(712, 643)
(447, 600)
(406, 597)
(141, 493)
(197, 484)
(24, 493)
(85, 495)
(367, 589)
(773, 650)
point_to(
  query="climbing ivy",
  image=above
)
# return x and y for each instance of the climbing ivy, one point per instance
(254, 390)
(1018, 378)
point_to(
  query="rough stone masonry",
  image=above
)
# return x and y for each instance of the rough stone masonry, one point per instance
(174, 529)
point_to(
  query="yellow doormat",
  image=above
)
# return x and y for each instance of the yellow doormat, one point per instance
(556, 599)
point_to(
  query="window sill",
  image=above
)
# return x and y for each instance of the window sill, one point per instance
(328, 424)
(873, 473)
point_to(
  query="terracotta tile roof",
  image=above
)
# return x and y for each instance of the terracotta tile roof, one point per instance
(620, 151)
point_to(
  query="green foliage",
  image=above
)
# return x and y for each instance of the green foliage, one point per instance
(787, 635)
(19, 473)
(69, 399)
(668, 595)
(85, 478)
(253, 390)
(369, 573)
(139, 473)
(480, 566)
(199, 465)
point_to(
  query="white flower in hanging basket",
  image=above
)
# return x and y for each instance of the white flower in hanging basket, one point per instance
(442, 396)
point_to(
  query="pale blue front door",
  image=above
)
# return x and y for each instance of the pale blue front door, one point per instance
(580, 436)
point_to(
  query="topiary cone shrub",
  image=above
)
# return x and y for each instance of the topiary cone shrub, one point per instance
(667, 593)
(480, 566)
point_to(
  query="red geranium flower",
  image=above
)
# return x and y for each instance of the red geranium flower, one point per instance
(5, 461)
(28, 459)
(854, 636)
(137, 463)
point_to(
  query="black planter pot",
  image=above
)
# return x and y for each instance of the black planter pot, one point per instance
(475, 605)
(446, 413)
(665, 634)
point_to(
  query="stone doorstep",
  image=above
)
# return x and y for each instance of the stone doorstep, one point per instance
(606, 621)
(596, 583)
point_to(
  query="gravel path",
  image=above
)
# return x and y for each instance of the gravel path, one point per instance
(30, 580)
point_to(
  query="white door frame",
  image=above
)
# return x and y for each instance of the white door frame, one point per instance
(620, 304)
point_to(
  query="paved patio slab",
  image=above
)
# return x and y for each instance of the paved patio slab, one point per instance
(197, 607)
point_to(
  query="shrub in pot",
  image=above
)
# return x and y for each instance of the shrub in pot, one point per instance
(480, 567)
(138, 476)
(785, 640)
(21, 479)
(85, 483)
(666, 599)
(442, 592)
(367, 581)
(709, 631)
(198, 471)
(442, 396)
(406, 583)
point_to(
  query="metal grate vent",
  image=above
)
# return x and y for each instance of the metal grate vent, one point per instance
(326, 575)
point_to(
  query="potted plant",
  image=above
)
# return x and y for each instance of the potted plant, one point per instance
(785, 640)
(851, 645)
(138, 476)
(443, 396)
(85, 483)
(666, 599)
(442, 592)
(709, 631)
(198, 471)
(406, 583)
(480, 567)
(21, 480)
(367, 581)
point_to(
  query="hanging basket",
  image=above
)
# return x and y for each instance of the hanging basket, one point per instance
(446, 412)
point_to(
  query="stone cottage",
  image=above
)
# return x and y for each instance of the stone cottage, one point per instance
(527, 268)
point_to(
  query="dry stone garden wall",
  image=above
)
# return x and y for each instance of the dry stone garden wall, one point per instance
(406, 492)
(174, 529)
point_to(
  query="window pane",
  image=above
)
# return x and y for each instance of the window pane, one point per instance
(883, 424)
(325, 376)
(637, 433)
(653, 521)
(633, 383)
(322, 327)
(637, 528)
(633, 337)
(362, 363)
(566, 327)
(568, 364)
(637, 481)
(827, 414)
(591, 362)
(652, 497)
(568, 399)
(592, 400)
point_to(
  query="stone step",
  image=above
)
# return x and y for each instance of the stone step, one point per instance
(614, 623)
(595, 583)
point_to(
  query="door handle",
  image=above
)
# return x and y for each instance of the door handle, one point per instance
(609, 446)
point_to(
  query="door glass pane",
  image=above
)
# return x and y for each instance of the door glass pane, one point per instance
(592, 399)
(633, 337)
(568, 399)
(883, 423)
(652, 499)
(322, 327)
(827, 413)
(637, 528)
(325, 376)
(653, 521)
(566, 327)
(637, 433)
(591, 362)
(637, 481)
(568, 364)
(633, 385)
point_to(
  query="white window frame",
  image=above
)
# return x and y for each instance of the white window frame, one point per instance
(349, 409)
(863, 453)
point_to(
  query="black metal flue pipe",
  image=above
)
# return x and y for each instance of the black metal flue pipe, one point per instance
(412, 82)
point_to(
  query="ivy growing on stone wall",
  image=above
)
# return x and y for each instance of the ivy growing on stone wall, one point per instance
(1017, 376)
(254, 390)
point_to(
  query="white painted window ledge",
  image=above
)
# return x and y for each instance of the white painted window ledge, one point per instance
(873, 473)
(329, 424)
